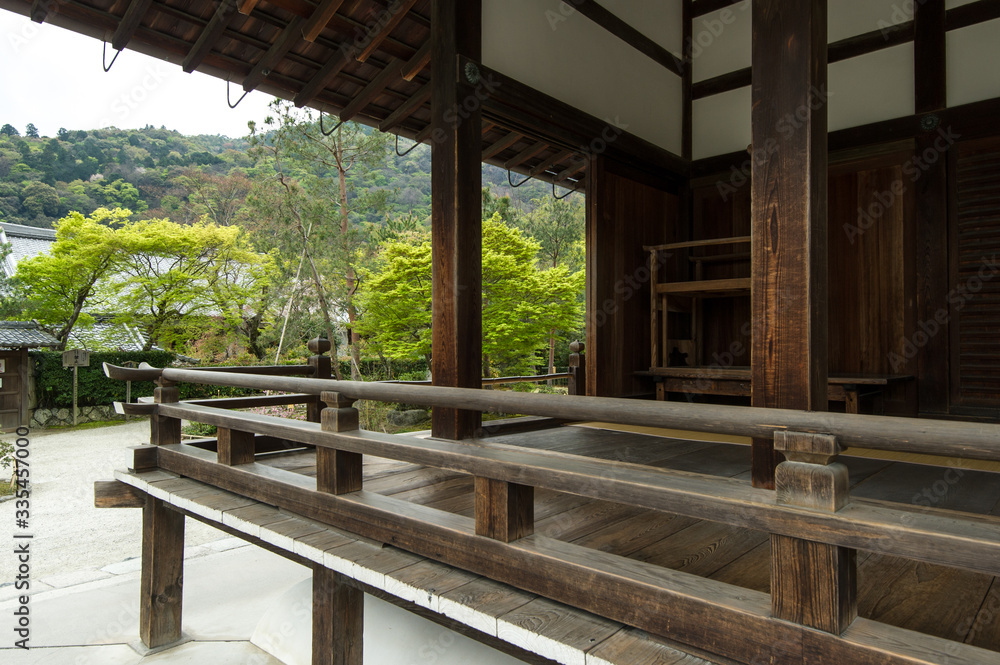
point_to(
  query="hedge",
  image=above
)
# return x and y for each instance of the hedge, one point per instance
(55, 384)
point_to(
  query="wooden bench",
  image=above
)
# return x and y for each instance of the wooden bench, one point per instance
(735, 381)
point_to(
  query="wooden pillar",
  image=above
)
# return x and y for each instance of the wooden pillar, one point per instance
(930, 88)
(813, 584)
(789, 224)
(235, 447)
(338, 619)
(338, 608)
(338, 471)
(456, 210)
(322, 369)
(504, 511)
(161, 587)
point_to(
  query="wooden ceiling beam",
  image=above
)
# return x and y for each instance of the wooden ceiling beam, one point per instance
(526, 154)
(40, 10)
(373, 89)
(130, 22)
(417, 63)
(326, 74)
(629, 35)
(247, 6)
(502, 144)
(278, 50)
(324, 12)
(408, 108)
(552, 160)
(395, 16)
(571, 170)
(210, 35)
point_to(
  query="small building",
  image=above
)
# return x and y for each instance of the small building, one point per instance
(16, 337)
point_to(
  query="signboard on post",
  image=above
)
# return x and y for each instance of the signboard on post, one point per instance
(75, 358)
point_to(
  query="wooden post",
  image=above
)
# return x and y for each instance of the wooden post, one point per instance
(813, 584)
(338, 619)
(76, 410)
(338, 608)
(789, 223)
(160, 593)
(322, 369)
(161, 587)
(456, 210)
(577, 369)
(235, 447)
(164, 430)
(338, 471)
(504, 511)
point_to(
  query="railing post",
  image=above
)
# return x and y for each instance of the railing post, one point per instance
(322, 369)
(235, 447)
(504, 511)
(813, 584)
(577, 369)
(338, 607)
(338, 471)
(161, 589)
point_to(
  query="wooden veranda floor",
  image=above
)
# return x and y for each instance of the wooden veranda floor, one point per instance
(945, 602)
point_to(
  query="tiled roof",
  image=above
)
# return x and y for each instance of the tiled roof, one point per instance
(25, 242)
(19, 334)
(104, 335)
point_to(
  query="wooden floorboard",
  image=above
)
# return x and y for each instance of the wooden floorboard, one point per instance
(944, 602)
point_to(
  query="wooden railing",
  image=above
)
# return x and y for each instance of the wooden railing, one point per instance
(816, 527)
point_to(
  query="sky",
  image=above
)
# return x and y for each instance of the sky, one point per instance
(54, 78)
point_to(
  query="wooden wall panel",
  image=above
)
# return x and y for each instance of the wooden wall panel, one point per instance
(624, 212)
(974, 295)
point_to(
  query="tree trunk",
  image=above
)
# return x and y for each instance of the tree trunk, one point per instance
(351, 277)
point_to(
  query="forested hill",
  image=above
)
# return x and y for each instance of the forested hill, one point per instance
(160, 173)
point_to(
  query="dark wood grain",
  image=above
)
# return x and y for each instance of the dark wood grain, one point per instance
(161, 585)
(456, 203)
(116, 494)
(338, 619)
(504, 511)
(236, 447)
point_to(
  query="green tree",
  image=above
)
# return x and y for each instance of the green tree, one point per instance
(9, 130)
(31, 131)
(173, 274)
(521, 303)
(40, 200)
(55, 287)
(316, 178)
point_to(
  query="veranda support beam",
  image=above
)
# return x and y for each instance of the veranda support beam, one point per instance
(161, 587)
(456, 213)
(338, 619)
(788, 250)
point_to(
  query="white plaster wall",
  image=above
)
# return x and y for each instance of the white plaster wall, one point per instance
(721, 41)
(873, 87)
(550, 47)
(721, 123)
(847, 18)
(974, 63)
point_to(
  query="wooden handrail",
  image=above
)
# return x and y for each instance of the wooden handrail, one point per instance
(933, 437)
(935, 536)
(737, 240)
(493, 381)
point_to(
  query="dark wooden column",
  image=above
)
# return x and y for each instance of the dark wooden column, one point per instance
(456, 209)
(789, 224)
(931, 195)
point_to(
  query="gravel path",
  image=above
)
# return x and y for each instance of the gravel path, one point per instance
(70, 535)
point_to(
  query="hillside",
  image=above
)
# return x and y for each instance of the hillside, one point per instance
(157, 172)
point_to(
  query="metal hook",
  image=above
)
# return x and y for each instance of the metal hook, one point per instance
(560, 198)
(229, 99)
(412, 148)
(104, 59)
(518, 184)
(323, 131)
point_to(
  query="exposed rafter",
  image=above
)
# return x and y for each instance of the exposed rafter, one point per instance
(502, 144)
(40, 10)
(629, 35)
(320, 17)
(279, 49)
(546, 164)
(407, 109)
(417, 63)
(396, 15)
(210, 35)
(247, 6)
(326, 74)
(130, 21)
(531, 151)
(372, 90)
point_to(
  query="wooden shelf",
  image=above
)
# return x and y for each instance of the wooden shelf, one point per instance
(707, 288)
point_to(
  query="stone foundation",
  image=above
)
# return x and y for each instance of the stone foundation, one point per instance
(42, 418)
